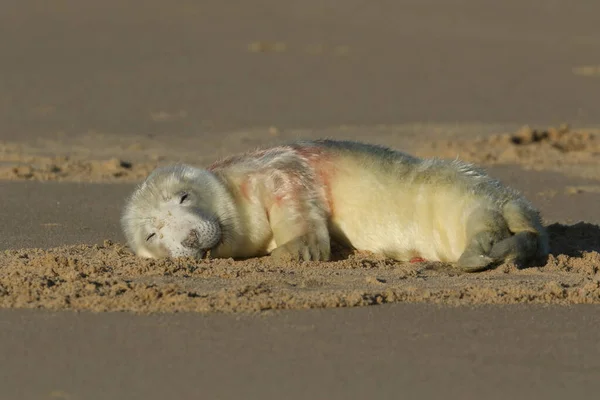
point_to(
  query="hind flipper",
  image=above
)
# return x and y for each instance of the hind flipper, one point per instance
(520, 247)
(516, 235)
(476, 256)
(531, 238)
(485, 228)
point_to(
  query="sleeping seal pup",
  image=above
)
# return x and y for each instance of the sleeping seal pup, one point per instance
(291, 200)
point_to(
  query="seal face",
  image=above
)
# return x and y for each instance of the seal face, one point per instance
(168, 215)
(290, 201)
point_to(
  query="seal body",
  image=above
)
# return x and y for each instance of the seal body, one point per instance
(291, 200)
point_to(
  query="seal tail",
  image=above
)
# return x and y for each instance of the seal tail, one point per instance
(529, 240)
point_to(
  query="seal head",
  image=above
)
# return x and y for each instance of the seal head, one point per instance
(174, 214)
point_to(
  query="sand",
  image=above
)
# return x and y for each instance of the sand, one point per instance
(108, 277)
(94, 94)
(560, 149)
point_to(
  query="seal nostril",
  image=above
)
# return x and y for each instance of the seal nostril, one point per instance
(192, 240)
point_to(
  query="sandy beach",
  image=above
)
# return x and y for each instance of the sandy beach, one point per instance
(94, 95)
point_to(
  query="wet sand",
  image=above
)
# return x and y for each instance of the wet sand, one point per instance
(388, 351)
(94, 95)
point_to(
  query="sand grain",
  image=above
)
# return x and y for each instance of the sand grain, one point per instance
(110, 278)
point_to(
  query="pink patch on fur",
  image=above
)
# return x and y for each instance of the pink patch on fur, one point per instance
(278, 199)
(417, 260)
(320, 161)
(325, 175)
(245, 190)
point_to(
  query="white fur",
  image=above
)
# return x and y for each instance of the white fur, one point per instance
(292, 199)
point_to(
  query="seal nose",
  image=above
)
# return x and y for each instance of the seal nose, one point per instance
(192, 240)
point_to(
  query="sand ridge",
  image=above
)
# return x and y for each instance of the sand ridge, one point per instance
(559, 149)
(96, 157)
(109, 278)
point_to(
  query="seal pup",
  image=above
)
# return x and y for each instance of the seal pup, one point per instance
(290, 200)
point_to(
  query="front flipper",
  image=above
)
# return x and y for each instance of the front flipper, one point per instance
(304, 248)
(300, 232)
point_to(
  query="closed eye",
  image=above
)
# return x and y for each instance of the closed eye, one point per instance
(150, 236)
(183, 198)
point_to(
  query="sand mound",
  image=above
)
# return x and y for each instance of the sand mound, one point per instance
(96, 157)
(26, 162)
(556, 149)
(110, 278)
(63, 168)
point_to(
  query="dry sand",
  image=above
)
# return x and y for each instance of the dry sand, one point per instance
(109, 278)
(559, 149)
(95, 93)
